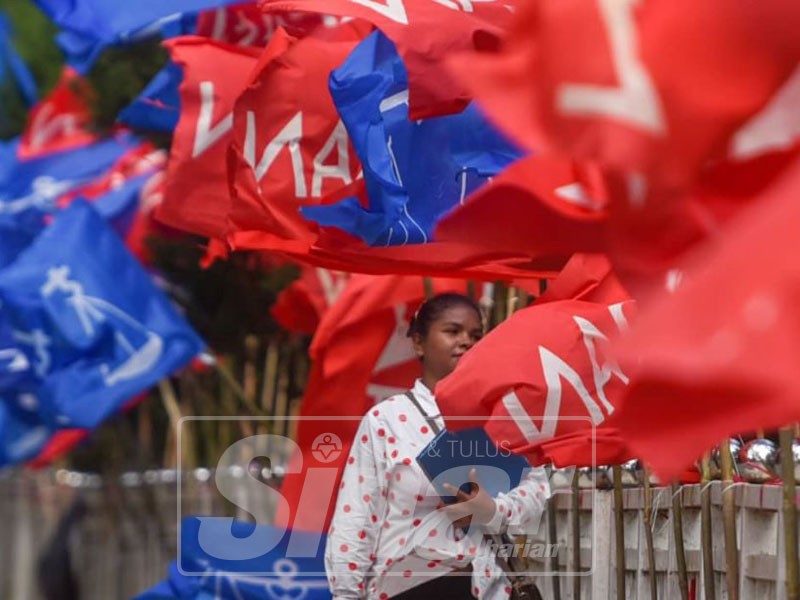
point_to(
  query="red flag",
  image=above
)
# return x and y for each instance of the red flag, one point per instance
(426, 32)
(544, 373)
(637, 86)
(541, 206)
(246, 25)
(334, 249)
(647, 242)
(301, 305)
(601, 446)
(587, 277)
(719, 356)
(544, 206)
(61, 121)
(139, 160)
(145, 226)
(360, 355)
(60, 444)
(292, 147)
(197, 198)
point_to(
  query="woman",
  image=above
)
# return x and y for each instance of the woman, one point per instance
(391, 537)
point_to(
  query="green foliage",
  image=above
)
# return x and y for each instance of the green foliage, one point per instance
(119, 75)
(33, 39)
(228, 301)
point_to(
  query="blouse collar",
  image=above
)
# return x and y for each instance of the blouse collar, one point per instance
(425, 398)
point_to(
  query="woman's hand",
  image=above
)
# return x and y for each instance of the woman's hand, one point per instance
(476, 504)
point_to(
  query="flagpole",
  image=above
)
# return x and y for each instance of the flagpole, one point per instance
(576, 536)
(498, 305)
(170, 402)
(282, 396)
(511, 300)
(486, 304)
(729, 521)
(680, 551)
(270, 376)
(619, 528)
(236, 388)
(648, 534)
(427, 286)
(250, 374)
(552, 534)
(706, 533)
(789, 514)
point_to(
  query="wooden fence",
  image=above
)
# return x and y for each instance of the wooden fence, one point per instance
(121, 537)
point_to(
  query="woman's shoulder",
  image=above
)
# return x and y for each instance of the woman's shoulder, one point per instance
(389, 407)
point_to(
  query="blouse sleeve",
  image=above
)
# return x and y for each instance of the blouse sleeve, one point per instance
(520, 510)
(360, 509)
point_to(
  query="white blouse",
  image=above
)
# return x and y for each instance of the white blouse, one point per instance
(386, 535)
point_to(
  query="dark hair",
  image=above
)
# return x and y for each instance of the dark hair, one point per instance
(432, 309)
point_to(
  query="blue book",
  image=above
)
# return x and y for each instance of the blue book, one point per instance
(450, 456)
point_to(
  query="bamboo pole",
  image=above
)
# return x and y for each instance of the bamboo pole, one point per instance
(552, 534)
(619, 529)
(486, 302)
(680, 550)
(511, 301)
(427, 286)
(250, 373)
(729, 522)
(576, 536)
(144, 427)
(300, 368)
(789, 514)
(282, 396)
(523, 297)
(500, 304)
(237, 390)
(170, 402)
(269, 383)
(471, 289)
(706, 533)
(648, 534)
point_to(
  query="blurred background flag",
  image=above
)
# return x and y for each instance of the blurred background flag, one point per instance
(157, 108)
(31, 188)
(94, 326)
(89, 26)
(11, 64)
(285, 576)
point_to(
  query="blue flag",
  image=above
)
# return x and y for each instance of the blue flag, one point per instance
(15, 368)
(158, 107)
(414, 171)
(287, 576)
(95, 328)
(29, 188)
(12, 63)
(120, 206)
(23, 433)
(8, 158)
(89, 26)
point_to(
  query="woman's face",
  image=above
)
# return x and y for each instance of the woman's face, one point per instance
(453, 333)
